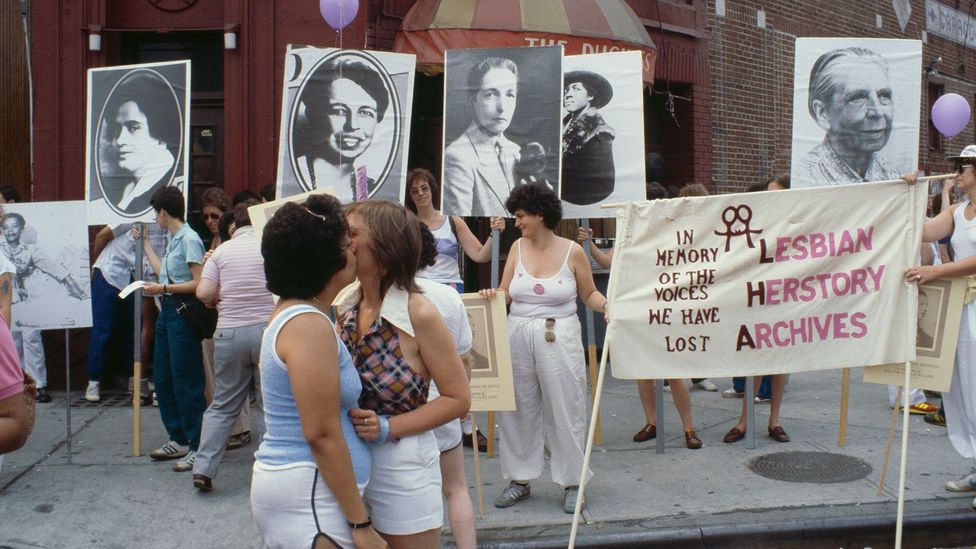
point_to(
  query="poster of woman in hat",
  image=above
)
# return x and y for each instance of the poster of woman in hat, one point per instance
(602, 130)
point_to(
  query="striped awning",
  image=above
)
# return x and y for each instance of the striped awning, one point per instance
(581, 26)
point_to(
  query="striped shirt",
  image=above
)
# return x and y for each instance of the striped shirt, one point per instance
(237, 267)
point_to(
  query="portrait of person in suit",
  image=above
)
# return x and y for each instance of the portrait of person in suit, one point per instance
(345, 99)
(141, 136)
(480, 165)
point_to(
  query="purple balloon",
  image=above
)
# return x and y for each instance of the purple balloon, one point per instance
(338, 13)
(950, 114)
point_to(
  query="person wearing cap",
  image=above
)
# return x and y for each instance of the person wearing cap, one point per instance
(587, 144)
(959, 221)
(851, 98)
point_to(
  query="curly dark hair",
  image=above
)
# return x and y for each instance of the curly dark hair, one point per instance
(422, 174)
(155, 99)
(170, 200)
(428, 247)
(536, 199)
(304, 247)
(216, 197)
(394, 240)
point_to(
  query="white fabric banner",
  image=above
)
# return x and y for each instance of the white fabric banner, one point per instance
(762, 283)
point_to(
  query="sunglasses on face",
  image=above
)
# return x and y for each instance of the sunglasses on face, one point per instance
(422, 189)
(211, 216)
(550, 335)
(961, 167)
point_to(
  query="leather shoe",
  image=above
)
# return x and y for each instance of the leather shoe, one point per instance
(647, 433)
(482, 441)
(778, 434)
(203, 483)
(691, 440)
(734, 435)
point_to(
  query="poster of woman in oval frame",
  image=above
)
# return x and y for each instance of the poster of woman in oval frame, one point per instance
(345, 123)
(137, 139)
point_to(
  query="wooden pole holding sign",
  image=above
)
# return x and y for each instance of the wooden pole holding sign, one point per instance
(495, 260)
(591, 340)
(891, 439)
(137, 351)
(477, 467)
(845, 393)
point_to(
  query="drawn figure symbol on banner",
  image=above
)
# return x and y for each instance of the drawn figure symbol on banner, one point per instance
(737, 214)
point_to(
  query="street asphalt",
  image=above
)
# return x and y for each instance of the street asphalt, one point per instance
(106, 498)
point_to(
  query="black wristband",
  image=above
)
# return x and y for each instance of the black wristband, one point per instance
(361, 525)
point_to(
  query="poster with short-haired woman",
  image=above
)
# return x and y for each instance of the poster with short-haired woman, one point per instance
(137, 138)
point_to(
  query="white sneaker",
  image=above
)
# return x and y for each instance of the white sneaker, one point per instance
(667, 389)
(93, 393)
(966, 483)
(186, 464)
(170, 450)
(706, 385)
(731, 393)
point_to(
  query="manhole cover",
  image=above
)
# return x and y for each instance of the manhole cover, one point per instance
(815, 467)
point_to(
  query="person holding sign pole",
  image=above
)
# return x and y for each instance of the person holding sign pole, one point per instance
(959, 221)
(543, 277)
(178, 363)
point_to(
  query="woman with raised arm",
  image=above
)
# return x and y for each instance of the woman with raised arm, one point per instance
(959, 221)
(450, 232)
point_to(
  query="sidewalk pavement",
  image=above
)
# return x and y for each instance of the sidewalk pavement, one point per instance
(684, 498)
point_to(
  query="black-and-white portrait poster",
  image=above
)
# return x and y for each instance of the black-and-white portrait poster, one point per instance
(603, 133)
(137, 138)
(345, 123)
(856, 107)
(47, 242)
(501, 125)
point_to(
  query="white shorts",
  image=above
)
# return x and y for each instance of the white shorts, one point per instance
(448, 436)
(282, 506)
(404, 491)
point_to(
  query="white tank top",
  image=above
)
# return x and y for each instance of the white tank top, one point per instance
(963, 233)
(552, 297)
(445, 268)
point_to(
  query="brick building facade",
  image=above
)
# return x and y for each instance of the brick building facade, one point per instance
(751, 65)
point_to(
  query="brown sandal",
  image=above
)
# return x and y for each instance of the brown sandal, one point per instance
(647, 433)
(778, 434)
(734, 435)
(691, 440)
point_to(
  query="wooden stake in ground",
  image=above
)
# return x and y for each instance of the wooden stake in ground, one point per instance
(589, 446)
(477, 467)
(845, 392)
(891, 441)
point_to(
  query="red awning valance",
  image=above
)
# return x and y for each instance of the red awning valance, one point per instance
(581, 26)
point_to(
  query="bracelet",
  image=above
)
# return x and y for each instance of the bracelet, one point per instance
(164, 288)
(361, 525)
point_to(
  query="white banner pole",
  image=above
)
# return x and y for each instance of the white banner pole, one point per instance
(598, 393)
(906, 398)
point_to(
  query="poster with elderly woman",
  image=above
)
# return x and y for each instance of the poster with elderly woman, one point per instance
(856, 107)
(602, 133)
(137, 138)
(48, 244)
(345, 123)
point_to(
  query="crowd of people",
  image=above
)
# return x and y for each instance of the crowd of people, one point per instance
(361, 431)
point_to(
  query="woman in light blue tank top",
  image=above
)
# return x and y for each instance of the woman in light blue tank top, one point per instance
(311, 468)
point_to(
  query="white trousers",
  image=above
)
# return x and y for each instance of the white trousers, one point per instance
(30, 351)
(960, 401)
(915, 396)
(550, 393)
